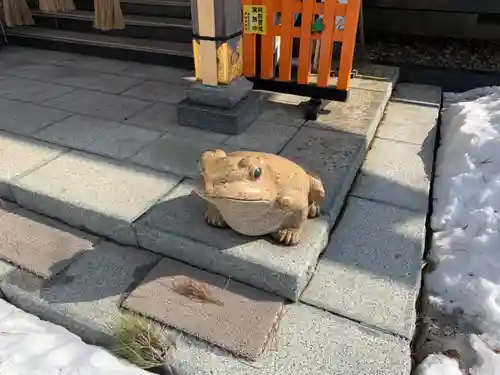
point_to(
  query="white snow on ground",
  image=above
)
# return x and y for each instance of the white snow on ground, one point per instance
(30, 346)
(466, 221)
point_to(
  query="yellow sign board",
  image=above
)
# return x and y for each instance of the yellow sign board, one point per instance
(254, 19)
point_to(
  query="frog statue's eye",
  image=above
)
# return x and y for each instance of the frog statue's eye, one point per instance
(257, 172)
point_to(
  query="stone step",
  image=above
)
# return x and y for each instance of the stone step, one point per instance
(157, 8)
(84, 292)
(142, 27)
(131, 49)
(371, 268)
(139, 191)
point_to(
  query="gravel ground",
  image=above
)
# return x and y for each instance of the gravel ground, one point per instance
(436, 53)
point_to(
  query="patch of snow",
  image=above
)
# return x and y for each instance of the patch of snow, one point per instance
(438, 364)
(30, 346)
(466, 222)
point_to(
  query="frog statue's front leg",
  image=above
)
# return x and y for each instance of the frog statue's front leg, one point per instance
(296, 203)
(214, 217)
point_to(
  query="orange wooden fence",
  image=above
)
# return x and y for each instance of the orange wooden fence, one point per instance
(330, 10)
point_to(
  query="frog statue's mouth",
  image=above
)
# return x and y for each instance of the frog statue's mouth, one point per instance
(236, 192)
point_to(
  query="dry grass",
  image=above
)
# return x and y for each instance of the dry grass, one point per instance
(140, 342)
(194, 290)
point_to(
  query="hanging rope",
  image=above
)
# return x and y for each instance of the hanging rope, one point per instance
(108, 15)
(17, 13)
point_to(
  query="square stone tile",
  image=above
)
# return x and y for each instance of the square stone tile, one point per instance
(236, 317)
(74, 77)
(395, 173)
(98, 64)
(424, 95)
(308, 341)
(283, 114)
(163, 117)
(98, 136)
(333, 156)
(98, 104)
(19, 155)
(158, 91)
(360, 114)
(26, 118)
(87, 191)
(371, 268)
(263, 136)
(160, 73)
(176, 227)
(85, 296)
(39, 245)
(27, 90)
(175, 154)
(412, 114)
(29, 55)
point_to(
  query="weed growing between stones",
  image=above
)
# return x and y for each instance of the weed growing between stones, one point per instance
(143, 344)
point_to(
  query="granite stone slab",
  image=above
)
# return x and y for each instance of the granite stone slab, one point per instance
(263, 136)
(98, 104)
(163, 117)
(235, 317)
(27, 90)
(98, 136)
(411, 114)
(19, 155)
(176, 227)
(157, 91)
(308, 341)
(283, 113)
(91, 192)
(333, 156)
(371, 268)
(360, 114)
(27, 118)
(174, 154)
(100, 64)
(396, 173)
(74, 77)
(39, 245)
(160, 73)
(84, 297)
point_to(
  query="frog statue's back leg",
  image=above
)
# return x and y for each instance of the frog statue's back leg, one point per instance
(316, 196)
(295, 203)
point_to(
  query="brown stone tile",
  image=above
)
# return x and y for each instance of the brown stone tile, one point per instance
(239, 318)
(37, 244)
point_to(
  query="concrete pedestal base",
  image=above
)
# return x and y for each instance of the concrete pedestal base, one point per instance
(219, 119)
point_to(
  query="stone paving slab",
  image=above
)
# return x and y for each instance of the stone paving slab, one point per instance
(235, 317)
(27, 90)
(98, 104)
(176, 228)
(74, 77)
(157, 91)
(87, 191)
(371, 269)
(411, 113)
(85, 296)
(163, 117)
(39, 245)
(19, 155)
(26, 118)
(174, 154)
(309, 341)
(98, 136)
(395, 173)
(333, 156)
(361, 113)
(160, 73)
(263, 136)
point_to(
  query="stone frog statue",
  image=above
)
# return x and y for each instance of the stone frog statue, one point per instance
(256, 194)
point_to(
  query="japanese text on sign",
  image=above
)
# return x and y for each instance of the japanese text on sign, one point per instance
(254, 19)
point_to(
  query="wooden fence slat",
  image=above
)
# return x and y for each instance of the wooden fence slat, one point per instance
(285, 63)
(348, 44)
(249, 48)
(305, 42)
(267, 43)
(326, 50)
